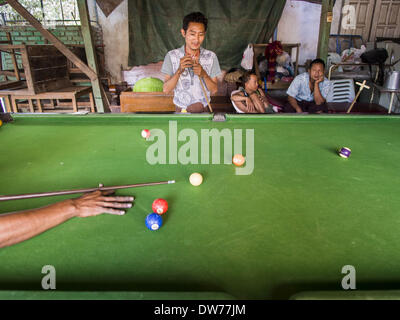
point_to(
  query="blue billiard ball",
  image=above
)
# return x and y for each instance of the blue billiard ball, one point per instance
(153, 221)
(345, 152)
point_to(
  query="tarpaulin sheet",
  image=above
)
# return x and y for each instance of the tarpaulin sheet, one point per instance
(154, 27)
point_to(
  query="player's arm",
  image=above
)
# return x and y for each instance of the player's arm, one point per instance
(19, 226)
(319, 99)
(294, 104)
(212, 83)
(170, 81)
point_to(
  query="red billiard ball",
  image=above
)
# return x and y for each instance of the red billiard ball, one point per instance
(160, 206)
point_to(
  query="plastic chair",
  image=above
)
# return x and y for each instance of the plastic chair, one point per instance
(342, 91)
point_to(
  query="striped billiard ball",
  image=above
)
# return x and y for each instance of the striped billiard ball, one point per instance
(345, 152)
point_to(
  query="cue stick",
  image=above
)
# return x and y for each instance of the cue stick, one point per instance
(100, 188)
(205, 94)
(362, 86)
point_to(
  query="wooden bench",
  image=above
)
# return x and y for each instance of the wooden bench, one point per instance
(71, 93)
(160, 102)
(46, 77)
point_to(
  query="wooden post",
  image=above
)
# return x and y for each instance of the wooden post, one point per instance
(14, 104)
(91, 54)
(325, 29)
(39, 104)
(31, 108)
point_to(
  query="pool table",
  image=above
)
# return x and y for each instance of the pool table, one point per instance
(285, 223)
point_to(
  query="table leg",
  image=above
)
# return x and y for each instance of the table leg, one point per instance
(39, 105)
(8, 104)
(52, 103)
(14, 104)
(74, 104)
(31, 105)
(391, 102)
(91, 102)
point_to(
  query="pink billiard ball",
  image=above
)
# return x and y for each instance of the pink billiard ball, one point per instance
(146, 133)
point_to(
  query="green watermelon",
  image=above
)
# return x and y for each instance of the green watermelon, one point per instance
(148, 85)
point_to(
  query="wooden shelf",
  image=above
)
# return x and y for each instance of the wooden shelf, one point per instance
(287, 47)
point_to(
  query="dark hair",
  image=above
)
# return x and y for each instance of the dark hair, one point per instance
(246, 77)
(194, 17)
(316, 61)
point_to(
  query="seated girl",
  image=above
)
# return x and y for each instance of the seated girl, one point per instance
(250, 98)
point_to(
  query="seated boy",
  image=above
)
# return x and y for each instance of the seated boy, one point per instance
(308, 91)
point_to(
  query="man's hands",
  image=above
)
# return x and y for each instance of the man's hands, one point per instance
(185, 62)
(198, 70)
(188, 62)
(98, 202)
(318, 98)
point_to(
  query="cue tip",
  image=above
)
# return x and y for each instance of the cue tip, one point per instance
(171, 181)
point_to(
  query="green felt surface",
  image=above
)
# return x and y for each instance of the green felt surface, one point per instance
(348, 295)
(111, 295)
(288, 227)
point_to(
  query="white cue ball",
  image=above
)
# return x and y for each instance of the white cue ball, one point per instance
(196, 179)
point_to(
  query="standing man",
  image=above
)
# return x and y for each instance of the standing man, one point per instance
(308, 91)
(186, 66)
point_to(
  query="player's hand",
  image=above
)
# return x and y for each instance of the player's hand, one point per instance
(98, 202)
(198, 69)
(185, 62)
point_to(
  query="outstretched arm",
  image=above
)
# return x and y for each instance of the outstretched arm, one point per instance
(19, 226)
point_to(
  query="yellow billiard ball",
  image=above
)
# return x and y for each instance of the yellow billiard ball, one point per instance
(238, 160)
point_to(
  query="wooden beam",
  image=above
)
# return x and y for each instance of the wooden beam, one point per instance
(12, 73)
(325, 29)
(9, 84)
(91, 55)
(54, 40)
(27, 70)
(13, 58)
